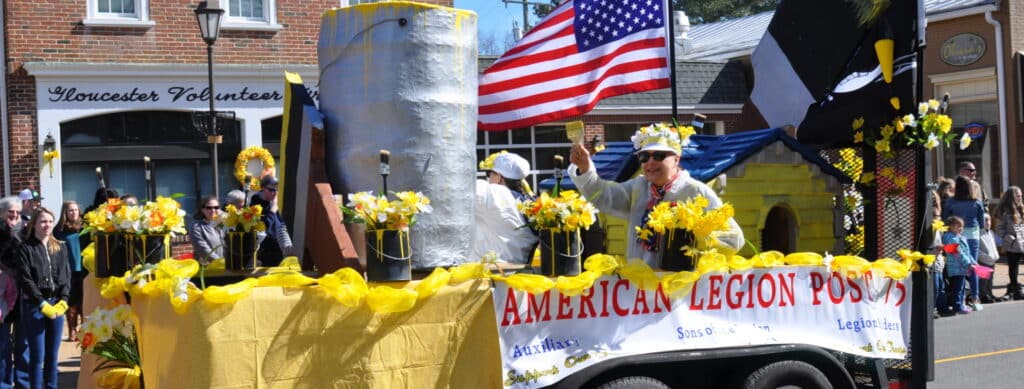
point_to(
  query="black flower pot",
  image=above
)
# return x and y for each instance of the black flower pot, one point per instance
(110, 255)
(673, 257)
(143, 249)
(240, 250)
(560, 253)
(388, 256)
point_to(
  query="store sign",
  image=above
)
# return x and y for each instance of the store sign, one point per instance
(975, 130)
(171, 94)
(962, 49)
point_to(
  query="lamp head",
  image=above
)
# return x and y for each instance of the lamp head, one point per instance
(209, 15)
(49, 144)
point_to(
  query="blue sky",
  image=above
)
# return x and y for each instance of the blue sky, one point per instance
(494, 17)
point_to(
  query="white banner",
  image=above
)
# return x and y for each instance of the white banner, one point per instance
(545, 338)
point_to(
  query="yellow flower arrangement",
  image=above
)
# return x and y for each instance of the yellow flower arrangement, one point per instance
(378, 213)
(674, 137)
(101, 219)
(692, 215)
(567, 212)
(164, 216)
(250, 153)
(929, 129)
(110, 335)
(245, 219)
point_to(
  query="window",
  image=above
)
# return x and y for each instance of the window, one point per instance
(538, 145)
(118, 142)
(250, 15)
(347, 3)
(118, 13)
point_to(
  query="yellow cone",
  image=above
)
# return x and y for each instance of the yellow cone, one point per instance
(895, 101)
(884, 48)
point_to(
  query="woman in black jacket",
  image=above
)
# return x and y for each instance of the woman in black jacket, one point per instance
(45, 283)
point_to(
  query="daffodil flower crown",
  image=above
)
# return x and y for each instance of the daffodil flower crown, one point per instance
(488, 163)
(663, 133)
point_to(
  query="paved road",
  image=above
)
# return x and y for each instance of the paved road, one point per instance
(982, 349)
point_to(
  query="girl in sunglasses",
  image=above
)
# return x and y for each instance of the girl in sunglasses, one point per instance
(659, 148)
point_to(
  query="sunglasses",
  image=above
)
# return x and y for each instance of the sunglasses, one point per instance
(212, 207)
(657, 155)
(271, 189)
(970, 170)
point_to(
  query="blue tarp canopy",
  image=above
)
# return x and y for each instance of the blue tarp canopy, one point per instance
(705, 157)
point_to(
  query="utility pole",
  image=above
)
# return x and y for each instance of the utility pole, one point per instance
(526, 10)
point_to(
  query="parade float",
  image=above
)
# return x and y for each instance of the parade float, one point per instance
(401, 77)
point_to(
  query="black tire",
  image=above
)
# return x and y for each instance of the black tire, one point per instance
(787, 374)
(634, 382)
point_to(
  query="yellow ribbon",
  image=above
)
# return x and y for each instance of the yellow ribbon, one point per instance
(602, 263)
(804, 259)
(575, 285)
(530, 283)
(679, 284)
(121, 378)
(640, 274)
(433, 283)
(346, 286)
(385, 299)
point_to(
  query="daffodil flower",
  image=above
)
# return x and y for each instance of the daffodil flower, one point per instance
(922, 109)
(932, 142)
(965, 141)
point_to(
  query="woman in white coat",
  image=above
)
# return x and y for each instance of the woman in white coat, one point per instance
(500, 227)
(659, 149)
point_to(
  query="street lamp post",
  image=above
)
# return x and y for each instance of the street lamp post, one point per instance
(208, 14)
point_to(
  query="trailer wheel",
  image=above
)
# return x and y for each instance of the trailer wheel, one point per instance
(787, 373)
(634, 382)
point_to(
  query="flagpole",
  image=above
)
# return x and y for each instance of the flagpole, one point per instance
(672, 59)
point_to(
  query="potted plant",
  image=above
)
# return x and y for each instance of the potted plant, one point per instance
(241, 226)
(685, 230)
(107, 236)
(388, 250)
(558, 219)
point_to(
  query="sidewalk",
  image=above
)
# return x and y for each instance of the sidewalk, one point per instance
(68, 365)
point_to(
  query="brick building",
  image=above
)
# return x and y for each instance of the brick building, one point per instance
(112, 81)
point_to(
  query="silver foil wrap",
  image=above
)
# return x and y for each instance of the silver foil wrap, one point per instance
(403, 77)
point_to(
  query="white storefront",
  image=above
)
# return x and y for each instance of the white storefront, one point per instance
(112, 115)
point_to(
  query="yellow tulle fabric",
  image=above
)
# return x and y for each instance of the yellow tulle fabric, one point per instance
(120, 378)
(171, 278)
(346, 286)
(640, 274)
(385, 299)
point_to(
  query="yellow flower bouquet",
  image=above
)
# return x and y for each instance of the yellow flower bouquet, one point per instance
(110, 335)
(378, 213)
(568, 212)
(388, 248)
(241, 225)
(558, 220)
(929, 128)
(686, 229)
(244, 219)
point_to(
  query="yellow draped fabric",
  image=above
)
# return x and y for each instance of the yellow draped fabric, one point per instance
(296, 338)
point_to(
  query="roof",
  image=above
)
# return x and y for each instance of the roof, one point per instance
(738, 37)
(705, 157)
(700, 82)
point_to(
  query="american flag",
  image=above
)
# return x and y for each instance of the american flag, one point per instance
(582, 52)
